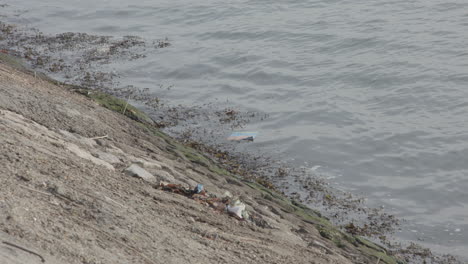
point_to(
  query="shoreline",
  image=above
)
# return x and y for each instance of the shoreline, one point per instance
(326, 240)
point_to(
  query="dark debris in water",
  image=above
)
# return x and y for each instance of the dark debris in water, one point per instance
(162, 43)
(414, 253)
(76, 58)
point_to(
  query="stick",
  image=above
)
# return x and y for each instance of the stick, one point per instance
(378, 260)
(50, 194)
(24, 249)
(123, 112)
(31, 189)
(115, 240)
(106, 136)
(96, 197)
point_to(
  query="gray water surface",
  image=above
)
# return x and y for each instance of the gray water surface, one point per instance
(374, 92)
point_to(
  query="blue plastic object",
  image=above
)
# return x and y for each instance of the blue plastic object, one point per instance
(198, 188)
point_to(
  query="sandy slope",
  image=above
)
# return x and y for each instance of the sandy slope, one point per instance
(66, 196)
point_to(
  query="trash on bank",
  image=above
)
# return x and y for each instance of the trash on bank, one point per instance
(237, 208)
(198, 188)
(234, 208)
(176, 188)
(238, 136)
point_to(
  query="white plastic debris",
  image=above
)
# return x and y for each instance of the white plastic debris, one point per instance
(238, 136)
(227, 194)
(237, 209)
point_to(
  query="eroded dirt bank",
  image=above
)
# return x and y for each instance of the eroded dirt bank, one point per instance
(67, 196)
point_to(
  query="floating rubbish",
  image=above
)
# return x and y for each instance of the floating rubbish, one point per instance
(238, 136)
(237, 209)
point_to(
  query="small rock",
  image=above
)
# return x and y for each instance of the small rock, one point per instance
(108, 157)
(137, 171)
(82, 153)
(67, 134)
(114, 149)
(148, 164)
(87, 141)
(318, 244)
(302, 230)
(102, 142)
(24, 177)
(165, 176)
